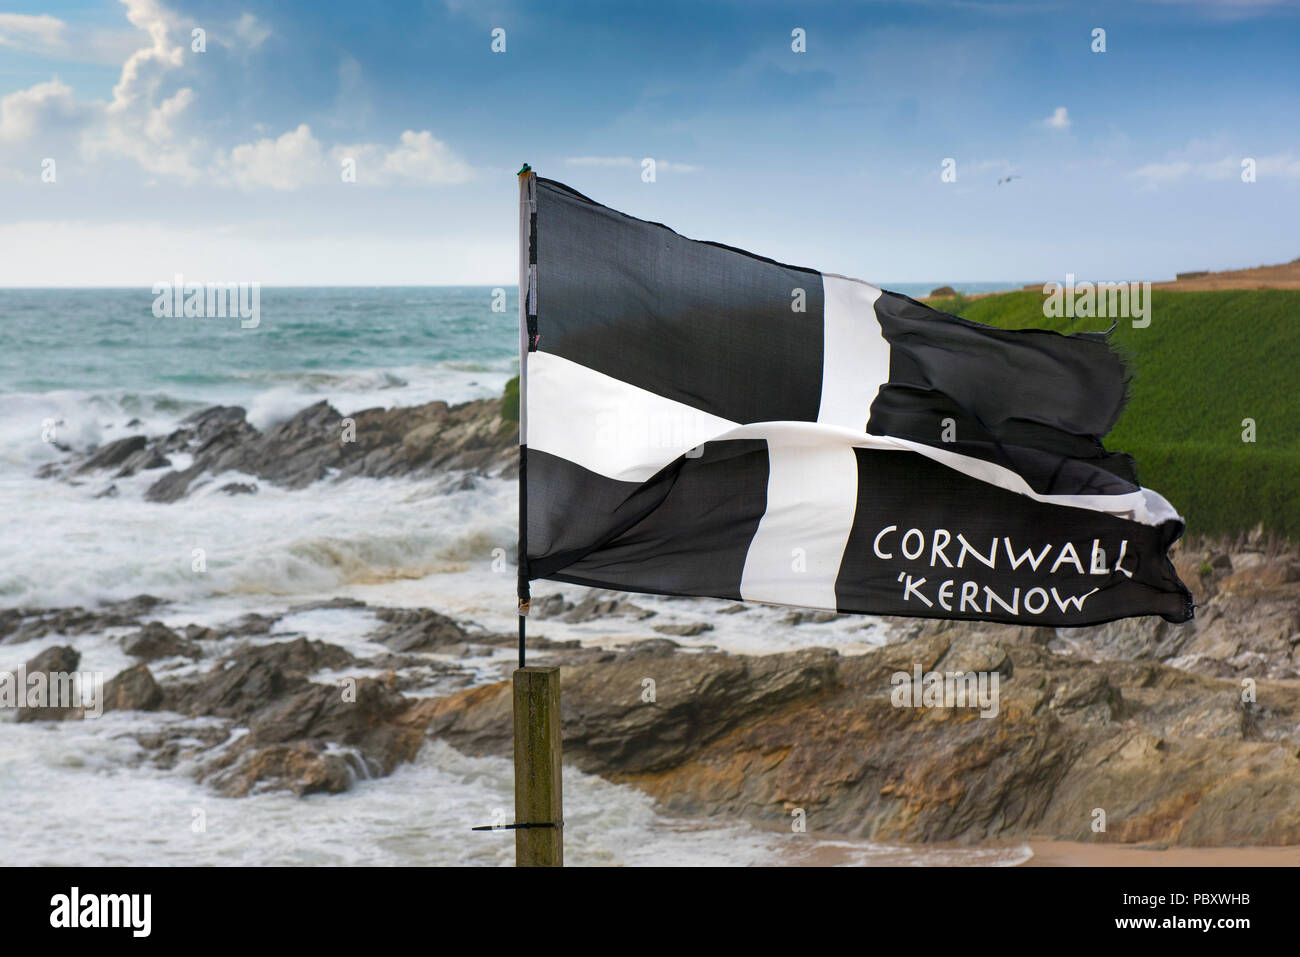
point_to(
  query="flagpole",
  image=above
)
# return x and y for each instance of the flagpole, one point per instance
(527, 305)
(539, 817)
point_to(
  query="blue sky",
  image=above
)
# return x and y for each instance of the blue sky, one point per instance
(225, 164)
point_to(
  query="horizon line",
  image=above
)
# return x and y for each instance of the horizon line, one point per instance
(454, 285)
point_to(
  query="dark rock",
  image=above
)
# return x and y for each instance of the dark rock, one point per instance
(133, 690)
(58, 660)
(248, 626)
(648, 648)
(238, 488)
(142, 461)
(55, 658)
(286, 746)
(155, 640)
(113, 454)
(604, 606)
(684, 631)
(174, 485)
(559, 656)
(303, 767)
(809, 617)
(550, 606)
(174, 742)
(461, 441)
(19, 625)
(199, 429)
(461, 482)
(364, 720)
(329, 604)
(138, 605)
(417, 629)
(255, 675)
(609, 728)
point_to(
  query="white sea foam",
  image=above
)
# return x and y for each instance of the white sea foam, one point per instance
(81, 792)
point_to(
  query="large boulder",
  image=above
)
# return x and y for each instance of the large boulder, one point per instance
(155, 640)
(257, 675)
(52, 669)
(133, 690)
(113, 454)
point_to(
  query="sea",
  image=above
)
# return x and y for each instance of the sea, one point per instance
(81, 367)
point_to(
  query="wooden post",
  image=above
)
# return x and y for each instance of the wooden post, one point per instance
(537, 768)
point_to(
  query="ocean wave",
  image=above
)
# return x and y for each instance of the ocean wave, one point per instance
(35, 427)
(61, 545)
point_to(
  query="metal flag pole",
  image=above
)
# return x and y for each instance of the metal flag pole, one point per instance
(527, 323)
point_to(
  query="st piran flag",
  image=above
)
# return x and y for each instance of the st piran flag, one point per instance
(700, 420)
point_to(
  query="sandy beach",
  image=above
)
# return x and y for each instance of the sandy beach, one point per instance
(1075, 854)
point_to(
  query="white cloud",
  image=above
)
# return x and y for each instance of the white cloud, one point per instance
(140, 123)
(36, 33)
(54, 39)
(252, 31)
(1059, 120)
(46, 107)
(628, 161)
(297, 159)
(293, 160)
(147, 120)
(422, 159)
(1163, 172)
(1282, 166)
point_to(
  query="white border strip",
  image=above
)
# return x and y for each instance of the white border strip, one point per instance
(608, 426)
(794, 556)
(855, 352)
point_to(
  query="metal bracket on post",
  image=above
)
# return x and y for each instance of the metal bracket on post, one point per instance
(515, 827)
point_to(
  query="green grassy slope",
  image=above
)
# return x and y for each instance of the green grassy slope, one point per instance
(1207, 361)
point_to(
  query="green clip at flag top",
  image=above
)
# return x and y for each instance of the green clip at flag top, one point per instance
(700, 420)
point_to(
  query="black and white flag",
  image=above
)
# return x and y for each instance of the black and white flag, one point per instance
(699, 420)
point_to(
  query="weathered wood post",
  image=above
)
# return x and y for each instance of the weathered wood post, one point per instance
(537, 769)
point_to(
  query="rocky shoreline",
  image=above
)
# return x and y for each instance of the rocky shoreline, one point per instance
(1182, 734)
(1088, 718)
(316, 444)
